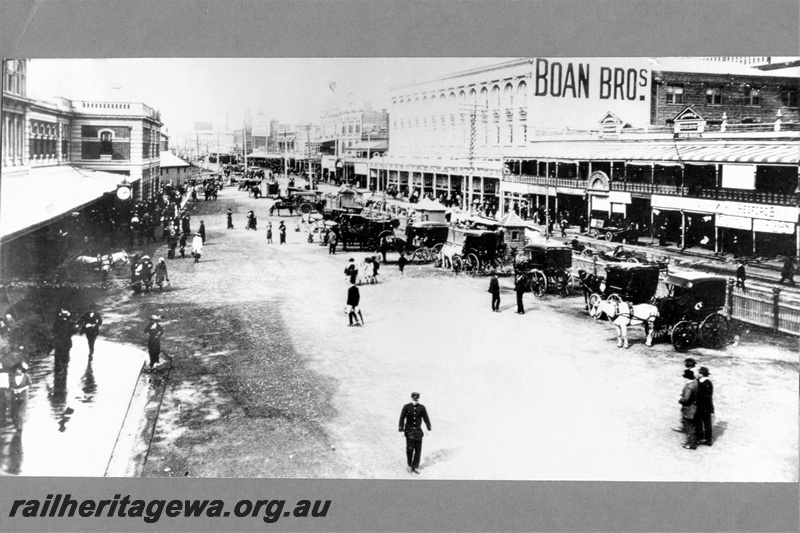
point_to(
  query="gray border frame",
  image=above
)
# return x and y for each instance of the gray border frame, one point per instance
(501, 28)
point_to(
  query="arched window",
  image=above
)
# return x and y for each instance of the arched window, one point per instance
(484, 99)
(508, 95)
(495, 100)
(522, 94)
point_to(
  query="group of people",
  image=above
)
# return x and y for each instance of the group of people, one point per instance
(520, 288)
(143, 272)
(365, 272)
(697, 406)
(252, 223)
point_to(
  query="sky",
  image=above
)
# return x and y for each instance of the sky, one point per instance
(291, 90)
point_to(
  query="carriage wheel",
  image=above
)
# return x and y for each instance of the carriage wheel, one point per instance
(587, 252)
(457, 264)
(714, 331)
(594, 301)
(473, 265)
(436, 248)
(632, 260)
(562, 283)
(418, 256)
(660, 329)
(616, 298)
(609, 236)
(569, 281)
(594, 234)
(538, 283)
(305, 208)
(429, 255)
(683, 335)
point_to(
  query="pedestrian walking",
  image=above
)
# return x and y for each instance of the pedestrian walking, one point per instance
(520, 287)
(494, 289)
(161, 274)
(787, 272)
(282, 232)
(376, 266)
(689, 364)
(105, 267)
(172, 244)
(19, 384)
(89, 325)
(269, 232)
(352, 271)
(411, 417)
(154, 331)
(229, 214)
(352, 307)
(202, 231)
(401, 262)
(183, 245)
(197, 247)
(741, 276)
(688, 401)
(5, 396)
(62, 338)
(333, 240)
(705, 408)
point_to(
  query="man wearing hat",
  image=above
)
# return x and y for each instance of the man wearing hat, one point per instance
(411, 418)
(494, 289)
(689, 364)
(89, 325)
(229, 214)
(154, 331)
(62, 338)
(705, 408)
(688, 401)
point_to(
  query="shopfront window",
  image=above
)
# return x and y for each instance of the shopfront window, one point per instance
(714, 96)
(789, 97)
(754, 97)
(674, 94)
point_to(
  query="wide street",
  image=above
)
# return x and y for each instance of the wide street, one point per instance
(270, 382)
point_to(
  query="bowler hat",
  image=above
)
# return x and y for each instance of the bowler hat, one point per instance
(688, 374)
(415, 396)
(703, 371)
(156, 317)
(689, 362)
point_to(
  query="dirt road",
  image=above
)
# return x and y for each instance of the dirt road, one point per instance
(270, 382)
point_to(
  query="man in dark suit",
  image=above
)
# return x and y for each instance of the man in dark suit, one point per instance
(89, 325)
(411, 418)
(705, 408)
(494, 288)
(353, 299)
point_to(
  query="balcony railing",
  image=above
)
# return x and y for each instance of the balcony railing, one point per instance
(731, 195)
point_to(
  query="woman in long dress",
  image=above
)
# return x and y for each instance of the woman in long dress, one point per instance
(269, 232)
(197, 247)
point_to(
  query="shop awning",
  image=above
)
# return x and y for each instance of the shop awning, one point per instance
(47, 194)
(677, 152)
(370, 145)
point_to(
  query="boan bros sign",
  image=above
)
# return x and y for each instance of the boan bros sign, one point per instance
(621, 85)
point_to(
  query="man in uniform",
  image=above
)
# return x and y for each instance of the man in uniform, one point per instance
(62, 339)
(411, 418)
(154, 331)
(90, 324)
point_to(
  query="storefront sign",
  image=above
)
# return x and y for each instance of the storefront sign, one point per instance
(784, 213)
(619, 197)
(600, 203)
(677, 203)
(773, 226)
(361, 168)
(729, 221)
(569, 190)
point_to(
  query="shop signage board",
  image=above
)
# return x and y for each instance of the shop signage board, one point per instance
(773, 226)
(783, 213)
(730, 221)
(569, 190)
(677, 203)
(619, 197)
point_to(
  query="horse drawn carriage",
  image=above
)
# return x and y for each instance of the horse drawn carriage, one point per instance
(690, 313)
(545, 265)
(300, 200)
(367, 231)
(473, 251)
(424, 241)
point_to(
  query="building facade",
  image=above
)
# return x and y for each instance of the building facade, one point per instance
(705, 152)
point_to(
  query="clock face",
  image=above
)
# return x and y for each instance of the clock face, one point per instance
(123, 193)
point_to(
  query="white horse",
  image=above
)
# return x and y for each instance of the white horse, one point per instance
(93, 261)
(447, 253)
(623, 314)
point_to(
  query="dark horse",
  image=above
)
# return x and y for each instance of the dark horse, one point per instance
(590, 284)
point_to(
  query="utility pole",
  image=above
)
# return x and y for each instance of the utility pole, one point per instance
(244, 147)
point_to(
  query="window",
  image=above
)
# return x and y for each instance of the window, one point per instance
(754, 97)
(714, 96)
(674, 94)
(789, 97)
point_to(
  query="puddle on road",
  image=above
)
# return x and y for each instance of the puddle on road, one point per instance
(73, 416)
